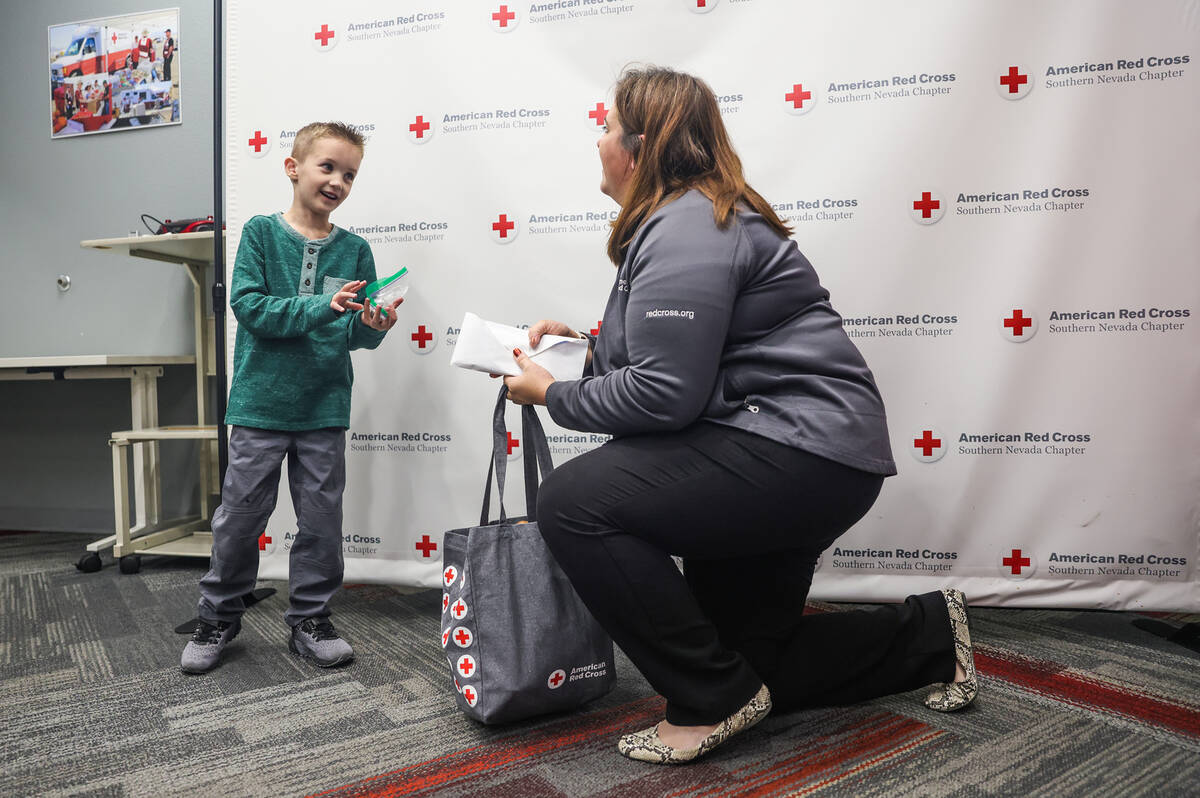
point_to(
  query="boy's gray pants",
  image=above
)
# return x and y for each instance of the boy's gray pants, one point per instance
(317, 478)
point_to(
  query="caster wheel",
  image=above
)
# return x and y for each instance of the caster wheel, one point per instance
(130, 563)
(89, 563)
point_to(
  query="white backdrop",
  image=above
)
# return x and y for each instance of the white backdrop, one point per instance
(1000, 197)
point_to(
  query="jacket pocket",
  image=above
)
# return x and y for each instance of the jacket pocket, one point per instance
(333, 284)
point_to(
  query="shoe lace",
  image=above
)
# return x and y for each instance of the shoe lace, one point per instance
(207, 634)
(320, 630)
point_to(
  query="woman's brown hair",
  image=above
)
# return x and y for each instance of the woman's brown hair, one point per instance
(673, 129)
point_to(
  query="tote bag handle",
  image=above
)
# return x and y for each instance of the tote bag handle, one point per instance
(535, 455)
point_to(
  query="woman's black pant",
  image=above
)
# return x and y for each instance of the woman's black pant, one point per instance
(749, 516)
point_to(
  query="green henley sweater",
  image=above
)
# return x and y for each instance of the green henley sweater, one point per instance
(291, 361)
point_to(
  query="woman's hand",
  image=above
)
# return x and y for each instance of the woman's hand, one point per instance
(530, 387)
(550, 327)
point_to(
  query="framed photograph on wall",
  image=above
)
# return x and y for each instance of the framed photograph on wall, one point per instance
(115, 73)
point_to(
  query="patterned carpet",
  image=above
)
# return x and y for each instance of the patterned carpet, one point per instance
(93, 703)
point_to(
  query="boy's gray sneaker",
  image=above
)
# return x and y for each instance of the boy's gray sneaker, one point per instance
(315, 639)
(203, 651)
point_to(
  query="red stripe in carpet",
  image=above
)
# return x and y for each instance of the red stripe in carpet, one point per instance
(1052, 680)
(829, 758)
(445, 770)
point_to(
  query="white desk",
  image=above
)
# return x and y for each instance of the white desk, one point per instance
(143, 372)
(151, 535)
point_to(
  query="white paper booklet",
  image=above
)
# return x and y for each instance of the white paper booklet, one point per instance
(487, 346)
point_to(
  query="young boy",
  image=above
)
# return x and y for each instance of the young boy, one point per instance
(294, 284)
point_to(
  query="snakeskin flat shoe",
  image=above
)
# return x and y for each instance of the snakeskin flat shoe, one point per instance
(645, 745)
(952, 696)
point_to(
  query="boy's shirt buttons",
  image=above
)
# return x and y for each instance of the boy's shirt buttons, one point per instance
(308, 282)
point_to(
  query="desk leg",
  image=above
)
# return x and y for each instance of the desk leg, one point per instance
(201, 339)
(120, 497)
(147, 484)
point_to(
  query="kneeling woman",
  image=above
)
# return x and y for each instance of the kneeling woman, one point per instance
(748, 434)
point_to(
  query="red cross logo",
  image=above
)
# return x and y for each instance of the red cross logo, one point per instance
(459, 609)
(422, 340)
(1013, 80)
(702, 6)
(449, 575)
(445, 601)
(263, 541)
(114, 37)
(419, 127)
(425, 545)
(258, 141)
(598, 114)
(926, 205)
(556, 679)
(1017, 322)
(503, 17)
(466, 665)
(513, 443)
(471, 696)
(323, 35)
(445, 638)
(1018, 328)
(462, 636)
(596, 330)
(927, 443)
(502, 226)
(1016, 562)
(797, 96)
(422, 337)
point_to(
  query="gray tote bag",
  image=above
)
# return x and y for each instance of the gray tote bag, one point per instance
(518, 638)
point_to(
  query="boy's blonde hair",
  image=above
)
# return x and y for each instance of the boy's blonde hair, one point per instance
(306, 135)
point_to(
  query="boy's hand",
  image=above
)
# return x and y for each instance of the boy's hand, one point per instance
(375, 317)
(343, 300)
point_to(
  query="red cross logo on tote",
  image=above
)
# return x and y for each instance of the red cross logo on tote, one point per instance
(459, 609)
(463, 637)
(927, 207)
(465, 666)
(799, 99)
(928, 445)
(324, 38)
(1018, 326)
(470, 695)
(1014, 83)
(449, 575)
(445, 601)
(445, 637)
(557, 679)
